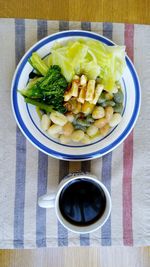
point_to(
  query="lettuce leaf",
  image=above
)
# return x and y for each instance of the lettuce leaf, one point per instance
(89, 57)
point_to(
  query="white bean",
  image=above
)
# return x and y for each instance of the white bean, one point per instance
(92, 130)
(64, 139)
(77, 135)
(108, 113)
(100, 122)
(98, 112)
(54, 130)
(86, 139)
(105, 129)
(56, 136)
(45, 122)
(70, 117)
(116, 118)
(68, 129)
(58, 118)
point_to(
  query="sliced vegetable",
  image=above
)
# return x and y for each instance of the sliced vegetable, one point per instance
(42, 106)
(38, 64)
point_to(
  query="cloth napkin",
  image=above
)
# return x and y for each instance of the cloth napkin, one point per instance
(26, 173)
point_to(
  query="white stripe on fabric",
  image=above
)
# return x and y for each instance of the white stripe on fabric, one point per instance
(51, 219)
(7, 135)
(31, 162)
(141, 168)
(74, 25)
(116, 196)
(52, 27)
(96, 167)
(117, 167)
(97, 27)
(30, 33)
(118, 33)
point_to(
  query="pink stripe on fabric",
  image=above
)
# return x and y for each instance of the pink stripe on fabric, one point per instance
(128, 157)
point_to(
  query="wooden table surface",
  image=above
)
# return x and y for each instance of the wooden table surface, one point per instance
(131, 11)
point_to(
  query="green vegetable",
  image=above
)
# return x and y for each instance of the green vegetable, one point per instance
(39, 112)
(92, 58)
(76, 53)
(101, 98)
(90, 69)
(108, 103)
(83, 122)
(42, 106)
(118, 108)
(80, 127)
(64, 63)
(48, 90)
(38, 64)
(118, 97)
(89, 119)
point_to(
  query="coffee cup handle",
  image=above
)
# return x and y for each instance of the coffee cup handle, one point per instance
(47, 201)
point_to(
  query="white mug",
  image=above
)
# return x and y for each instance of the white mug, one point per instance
(52, 201)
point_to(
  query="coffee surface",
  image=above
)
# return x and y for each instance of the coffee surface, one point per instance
(82, 202)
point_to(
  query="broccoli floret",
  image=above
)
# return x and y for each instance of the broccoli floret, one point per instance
(49, 90)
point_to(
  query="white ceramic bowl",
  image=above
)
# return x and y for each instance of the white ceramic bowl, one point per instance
(28, 120)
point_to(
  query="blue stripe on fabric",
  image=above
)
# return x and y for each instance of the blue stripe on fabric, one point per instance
(106, 163)
(41, 29)
(42, 168)
(62, 231)
(42, 189)
(86, 26)
(20, 151)
(85, 165)
(107, 30)
(106, 180)
(63, 25)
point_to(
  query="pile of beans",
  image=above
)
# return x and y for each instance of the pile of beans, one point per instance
(85, 122)
(91, 112)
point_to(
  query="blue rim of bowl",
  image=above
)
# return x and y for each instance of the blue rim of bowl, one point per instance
(25, 130)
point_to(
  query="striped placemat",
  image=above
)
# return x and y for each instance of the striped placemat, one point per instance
(26, 173)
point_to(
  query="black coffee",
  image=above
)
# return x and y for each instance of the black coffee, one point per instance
(82, 202)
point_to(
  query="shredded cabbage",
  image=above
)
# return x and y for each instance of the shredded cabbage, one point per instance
(89, 57)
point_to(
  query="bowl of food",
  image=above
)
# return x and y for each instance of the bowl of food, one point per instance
(75, 95)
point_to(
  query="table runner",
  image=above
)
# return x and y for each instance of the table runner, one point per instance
(26, 173)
